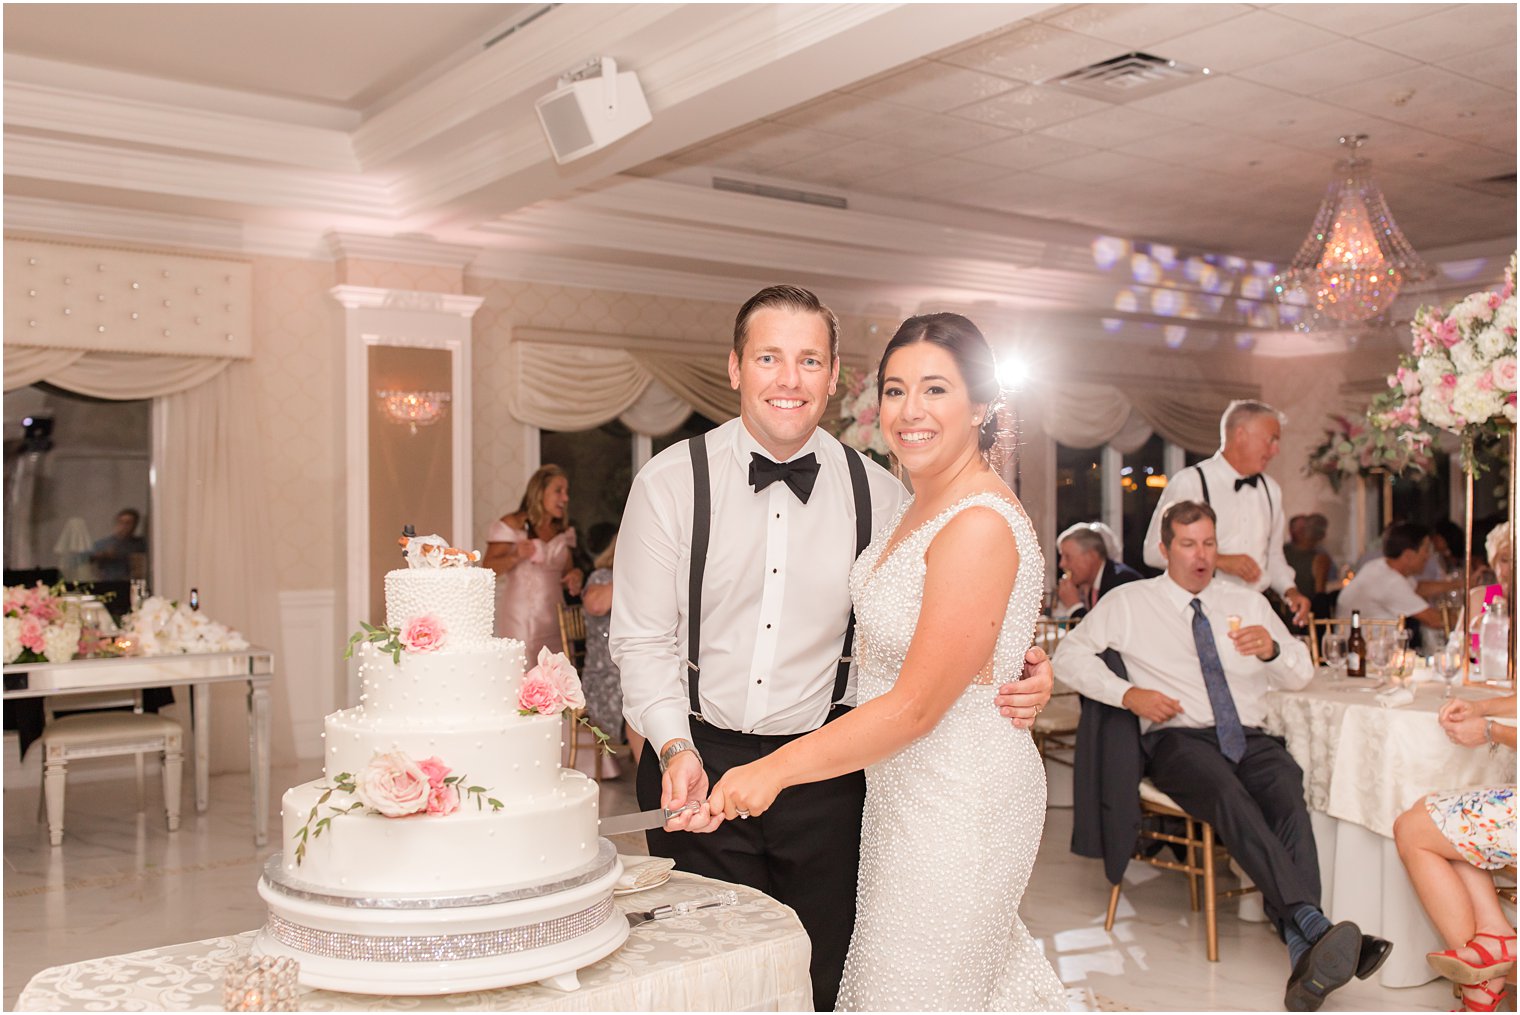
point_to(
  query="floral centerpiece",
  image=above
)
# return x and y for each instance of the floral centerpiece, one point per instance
(38, 628)
(164, 627)
(1357, 448)
(858, 422)
(1461, 373)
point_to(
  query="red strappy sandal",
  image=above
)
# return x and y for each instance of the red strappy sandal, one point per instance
(1458, 970)
(1468, 1004)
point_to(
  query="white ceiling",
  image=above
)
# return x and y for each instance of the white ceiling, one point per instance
(970, 178)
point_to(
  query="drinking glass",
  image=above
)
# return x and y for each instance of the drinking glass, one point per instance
(1447, 661)
(1380, 648)
(1333, 649)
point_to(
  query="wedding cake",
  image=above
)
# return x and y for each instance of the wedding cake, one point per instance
(445, 849)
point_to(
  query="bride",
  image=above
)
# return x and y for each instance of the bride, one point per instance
(945, 601)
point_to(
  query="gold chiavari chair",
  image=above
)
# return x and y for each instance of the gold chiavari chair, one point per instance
(1321, 626)
(1056, 725)
(572, 632)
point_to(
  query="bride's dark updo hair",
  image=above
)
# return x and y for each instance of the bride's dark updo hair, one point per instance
(973, 357)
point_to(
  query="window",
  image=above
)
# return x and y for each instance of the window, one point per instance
(1142, 479)
(1120, 490)
(600, 464)
(1079, 486)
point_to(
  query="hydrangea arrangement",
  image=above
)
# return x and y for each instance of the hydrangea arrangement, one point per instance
(37, 627)
(1356, 448)
(163, 627)
(1461, 374)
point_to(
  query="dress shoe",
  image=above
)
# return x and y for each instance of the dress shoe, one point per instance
(1328, 964)
(1372, 956)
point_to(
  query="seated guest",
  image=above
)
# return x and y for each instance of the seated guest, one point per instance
(1498, 548)
(1313, 570)
(1200, 654)
(1385, 587)
(1088, 571)
(1448, 841)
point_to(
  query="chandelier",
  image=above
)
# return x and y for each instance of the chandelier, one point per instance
(1355, 259)
(414, 408)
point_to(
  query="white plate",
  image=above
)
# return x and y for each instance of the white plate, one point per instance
(642, 888)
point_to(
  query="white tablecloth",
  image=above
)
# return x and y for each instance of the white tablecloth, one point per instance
(1363, 766)
(749, 957)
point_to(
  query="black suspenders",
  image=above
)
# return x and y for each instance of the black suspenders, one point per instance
(1264, 489)
(701, 531)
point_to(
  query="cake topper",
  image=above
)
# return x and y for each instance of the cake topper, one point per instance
(433, 551)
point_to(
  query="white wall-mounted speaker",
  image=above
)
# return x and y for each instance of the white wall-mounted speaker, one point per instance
(581, 117)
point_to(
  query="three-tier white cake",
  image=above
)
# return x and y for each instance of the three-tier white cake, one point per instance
(445, 849)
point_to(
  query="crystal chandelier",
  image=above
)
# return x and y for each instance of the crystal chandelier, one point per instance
(1355, 259)
(414, 408)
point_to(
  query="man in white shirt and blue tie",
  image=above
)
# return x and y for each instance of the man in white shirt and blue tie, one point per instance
(1201, 654)
(762, 664)
(1247, 502)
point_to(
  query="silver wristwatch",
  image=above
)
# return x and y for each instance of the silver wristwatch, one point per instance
(676, 747)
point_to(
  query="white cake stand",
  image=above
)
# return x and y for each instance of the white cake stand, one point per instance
(420, 944)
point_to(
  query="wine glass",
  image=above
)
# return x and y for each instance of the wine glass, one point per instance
(1379, 652)
(1448, 664)
(1333, 649)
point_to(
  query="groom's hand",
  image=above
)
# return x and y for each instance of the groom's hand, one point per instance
(685, 779)
(1022, 700)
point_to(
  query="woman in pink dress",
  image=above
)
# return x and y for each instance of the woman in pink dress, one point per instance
(530, 552)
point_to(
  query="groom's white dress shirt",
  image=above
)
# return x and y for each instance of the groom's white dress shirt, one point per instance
(1150, 624)
(1250, 521)
(775, 592)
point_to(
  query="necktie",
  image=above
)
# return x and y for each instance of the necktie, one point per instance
(1232, 736)
(799, 473)
(1250, 480)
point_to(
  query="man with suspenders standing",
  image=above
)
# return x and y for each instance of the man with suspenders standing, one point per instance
(1246, 500)
(732, 627)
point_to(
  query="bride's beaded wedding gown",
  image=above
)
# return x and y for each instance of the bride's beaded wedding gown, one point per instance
(953, 820)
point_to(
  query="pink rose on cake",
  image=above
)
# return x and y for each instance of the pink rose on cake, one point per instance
(394, 785)
(423, 634)
(443, 798)
(558, 671)
(539, 694)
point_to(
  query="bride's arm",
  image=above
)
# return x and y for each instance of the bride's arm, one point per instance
(970, 569)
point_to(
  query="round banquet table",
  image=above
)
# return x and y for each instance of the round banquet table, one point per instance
(1365, 764)
(752, 956)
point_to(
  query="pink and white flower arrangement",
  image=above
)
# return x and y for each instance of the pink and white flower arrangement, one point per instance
(163, 627)
(1461, 374)
(394, 784)
(443, 794)
(858, 424)
(1356, 448)
(37, 628)
(424, 634)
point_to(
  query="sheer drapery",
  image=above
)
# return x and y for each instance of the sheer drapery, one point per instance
(578, 387)
(210, 523)
(1083, 415)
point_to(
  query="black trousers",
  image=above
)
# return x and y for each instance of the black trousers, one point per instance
(803, 851)
(1256, 807)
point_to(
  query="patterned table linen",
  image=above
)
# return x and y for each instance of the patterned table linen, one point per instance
(749, 957)
(1367, 764)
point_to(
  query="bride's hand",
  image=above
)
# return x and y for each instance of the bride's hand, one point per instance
(1022, 701)
(744, 792)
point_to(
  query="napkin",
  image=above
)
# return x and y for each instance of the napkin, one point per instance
(643, 871)
(1395, 697)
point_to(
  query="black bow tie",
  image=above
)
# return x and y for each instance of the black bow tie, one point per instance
(1250, 480)
(799, 473)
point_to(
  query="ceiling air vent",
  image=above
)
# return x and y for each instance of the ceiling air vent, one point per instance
(779, 193)
(1128, 77)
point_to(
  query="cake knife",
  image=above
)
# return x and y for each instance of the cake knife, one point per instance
(640, 821)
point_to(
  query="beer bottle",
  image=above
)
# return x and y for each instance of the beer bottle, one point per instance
(1356, 648)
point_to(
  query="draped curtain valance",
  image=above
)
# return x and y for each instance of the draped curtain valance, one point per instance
(108, 374)
(1085, 415)
(561, 386)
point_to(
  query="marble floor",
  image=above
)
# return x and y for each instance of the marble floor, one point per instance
(120, 883)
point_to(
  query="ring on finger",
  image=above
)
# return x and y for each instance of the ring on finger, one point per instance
(743, 814)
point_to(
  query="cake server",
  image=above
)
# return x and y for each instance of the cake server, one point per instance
(640, 821)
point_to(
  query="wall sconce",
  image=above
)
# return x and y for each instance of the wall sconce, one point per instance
(414, 408)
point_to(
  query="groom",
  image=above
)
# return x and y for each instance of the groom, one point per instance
(757, 662)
